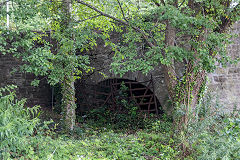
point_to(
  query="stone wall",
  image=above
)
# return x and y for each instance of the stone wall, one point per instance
(224, 83)
(35, 95)
(101, 58)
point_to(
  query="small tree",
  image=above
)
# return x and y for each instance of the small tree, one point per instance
(49, 37)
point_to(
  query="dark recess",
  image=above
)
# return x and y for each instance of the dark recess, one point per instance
(106, 93)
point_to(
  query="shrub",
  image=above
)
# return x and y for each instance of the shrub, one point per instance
(17, 123)
(23, 136)
(214, 134)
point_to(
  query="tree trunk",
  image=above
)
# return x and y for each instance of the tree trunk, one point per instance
(184, 93)
(169, 71)
(68, 101)
(68, 89)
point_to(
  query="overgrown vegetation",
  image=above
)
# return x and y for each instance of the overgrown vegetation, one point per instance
(50, 36)
(213, 135)
(125, 115)
(154, 33)
(24, 136)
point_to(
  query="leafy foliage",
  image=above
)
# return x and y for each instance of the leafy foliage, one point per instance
(24, 136)
(126, 115)
(17, 124)
(200, 28)
(214, 134)
(35, 45)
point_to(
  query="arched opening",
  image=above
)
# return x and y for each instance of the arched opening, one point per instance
(111, 92)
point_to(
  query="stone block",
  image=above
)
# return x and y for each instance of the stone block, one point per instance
(233, 70)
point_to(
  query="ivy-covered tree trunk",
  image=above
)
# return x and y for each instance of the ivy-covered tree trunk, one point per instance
(68, 102)
(170, 76)
(68, 89)
(183, 93)
(188, 91)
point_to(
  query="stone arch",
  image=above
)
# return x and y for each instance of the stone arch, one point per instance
(107, 92)
(98, 76)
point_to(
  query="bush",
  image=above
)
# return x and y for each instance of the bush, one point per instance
(23, 136)
(213, 134)
(16, 124)
(221, 143)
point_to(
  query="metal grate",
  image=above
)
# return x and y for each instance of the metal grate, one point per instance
(107, 93)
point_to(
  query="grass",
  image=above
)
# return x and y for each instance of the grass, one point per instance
(97, 140)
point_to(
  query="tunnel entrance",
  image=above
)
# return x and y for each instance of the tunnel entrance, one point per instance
(110, 92)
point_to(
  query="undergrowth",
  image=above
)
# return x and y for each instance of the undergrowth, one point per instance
(210, 135)
(214, 134)
(24, 136)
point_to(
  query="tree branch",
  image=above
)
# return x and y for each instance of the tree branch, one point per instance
(88, 18)
(146, 38)
(181, 3)
(122, 10)
(3, 3)
(102, 13)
